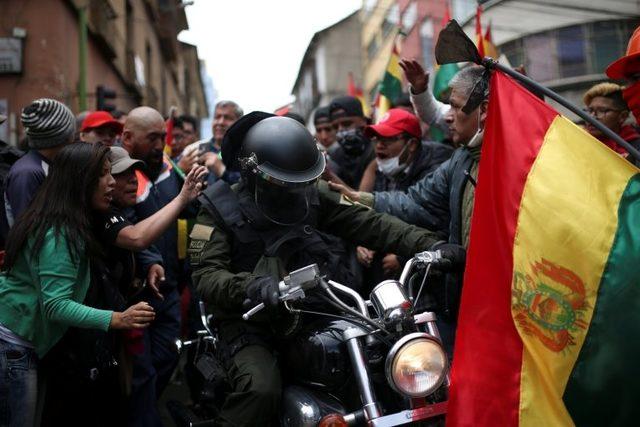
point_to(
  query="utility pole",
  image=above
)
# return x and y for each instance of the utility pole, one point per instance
(82, 56)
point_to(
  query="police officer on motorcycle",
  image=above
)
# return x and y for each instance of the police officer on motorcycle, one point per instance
(248, 236)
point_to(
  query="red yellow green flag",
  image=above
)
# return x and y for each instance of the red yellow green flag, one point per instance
(483, 42)
(549, 324)
(490, 49)
(391, 85)
(479, 37)
(356, 91)
(168, 139)
(444, 73)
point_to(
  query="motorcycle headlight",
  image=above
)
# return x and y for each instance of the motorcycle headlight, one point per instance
(416, 365)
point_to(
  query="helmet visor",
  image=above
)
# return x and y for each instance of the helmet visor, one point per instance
(284, 205)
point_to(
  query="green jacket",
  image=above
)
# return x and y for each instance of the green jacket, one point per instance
(224, 290)
(40, 300)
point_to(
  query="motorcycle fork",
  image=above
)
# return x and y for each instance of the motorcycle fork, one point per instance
(363, 379)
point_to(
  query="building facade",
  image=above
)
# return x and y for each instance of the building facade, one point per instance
(131, 48)
(420, 24)
(564, 44)
(332, 54)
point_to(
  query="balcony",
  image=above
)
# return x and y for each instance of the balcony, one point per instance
(101, 17)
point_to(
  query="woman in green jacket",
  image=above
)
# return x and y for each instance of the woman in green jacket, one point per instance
(46, 275)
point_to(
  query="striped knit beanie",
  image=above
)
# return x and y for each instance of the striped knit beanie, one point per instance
(48, 123)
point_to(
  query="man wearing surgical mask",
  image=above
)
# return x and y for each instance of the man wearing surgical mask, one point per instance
(354, 151)
(442, 201)
(402, 159)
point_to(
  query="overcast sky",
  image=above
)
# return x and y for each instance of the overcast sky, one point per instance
(253, 48)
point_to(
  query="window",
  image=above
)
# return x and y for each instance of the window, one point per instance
(541, 64)
(514, 52)
(426, 38)
(607, 44)
(572, 59)
(391, 21)
(410, 17)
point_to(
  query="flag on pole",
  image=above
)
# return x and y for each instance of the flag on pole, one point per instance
(479, 36)
(356, 91)
(490, 49)
(549, 329)
(444, 73)
(168, 139)
(391, 85)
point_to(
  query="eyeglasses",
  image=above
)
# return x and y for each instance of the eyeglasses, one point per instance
(386, 142)
(599, 112)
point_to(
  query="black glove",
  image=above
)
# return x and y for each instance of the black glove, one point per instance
(263, 289)
(454, 256)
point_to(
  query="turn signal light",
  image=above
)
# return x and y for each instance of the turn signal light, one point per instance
(333, 420)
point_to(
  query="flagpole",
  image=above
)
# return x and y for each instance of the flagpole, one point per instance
(492, 63)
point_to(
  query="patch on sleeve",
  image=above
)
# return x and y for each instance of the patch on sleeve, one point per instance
(345, 200)
(195, 251)
(201, 232)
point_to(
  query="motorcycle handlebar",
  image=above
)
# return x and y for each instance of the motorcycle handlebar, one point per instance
(434, 258)
(292, 287)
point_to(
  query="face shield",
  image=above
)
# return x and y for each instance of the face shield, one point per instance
(284, 204)
(284, 197)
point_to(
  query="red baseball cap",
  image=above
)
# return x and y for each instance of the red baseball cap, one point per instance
(98, 119)
(628, 64)
(393, 123)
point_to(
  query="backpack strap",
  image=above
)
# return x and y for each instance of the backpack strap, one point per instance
(220, 199)
(222, 202)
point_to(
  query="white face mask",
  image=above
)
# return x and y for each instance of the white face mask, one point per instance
(476, 140)
(391, 166)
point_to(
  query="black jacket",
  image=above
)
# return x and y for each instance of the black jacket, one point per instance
(429, 156)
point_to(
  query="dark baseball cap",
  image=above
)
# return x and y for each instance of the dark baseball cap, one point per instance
(322, 115)
(350, 106)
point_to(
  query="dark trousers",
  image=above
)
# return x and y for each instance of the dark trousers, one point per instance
(257, 387)
(18, 385)
(153, 368)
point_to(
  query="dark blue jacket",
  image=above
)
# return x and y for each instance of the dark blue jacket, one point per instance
(151, 197)
(434, 202)
(429, 156)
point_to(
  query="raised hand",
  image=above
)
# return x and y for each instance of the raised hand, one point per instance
(415, 74)
(193, 183)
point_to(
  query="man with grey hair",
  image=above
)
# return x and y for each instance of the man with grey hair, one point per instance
(443, 200)
(225, 114)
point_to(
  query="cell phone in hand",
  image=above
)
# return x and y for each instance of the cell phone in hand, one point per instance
(204, 146)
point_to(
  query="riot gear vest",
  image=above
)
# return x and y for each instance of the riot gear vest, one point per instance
(264, 248)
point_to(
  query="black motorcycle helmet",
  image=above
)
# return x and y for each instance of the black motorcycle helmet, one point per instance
(279, 162)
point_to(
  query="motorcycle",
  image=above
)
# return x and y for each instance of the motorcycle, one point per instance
(368, 362)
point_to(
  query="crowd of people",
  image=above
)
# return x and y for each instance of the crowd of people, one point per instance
(109, 238)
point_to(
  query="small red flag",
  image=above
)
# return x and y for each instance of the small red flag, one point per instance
(447, 15)
(480, 39)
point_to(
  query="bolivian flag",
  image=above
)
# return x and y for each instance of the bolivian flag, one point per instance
(391, 84)
(549, 325)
